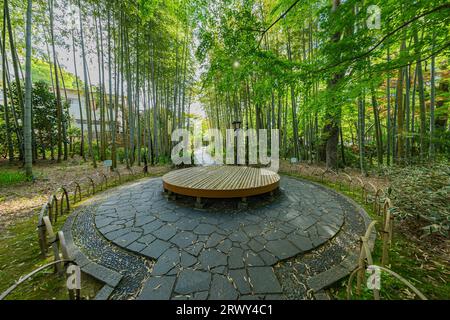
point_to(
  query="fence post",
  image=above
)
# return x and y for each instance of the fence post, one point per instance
(363, 255)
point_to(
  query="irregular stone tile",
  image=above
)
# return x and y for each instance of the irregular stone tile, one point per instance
(187, 260)
(260, 239)
(203, 238)
(127, 238)
(239, 236)
(236, 258)
(241, 280)
(263, 280)
(184, 239)
(174, 271)
(106, 275)
(186, 224)
(303, 222)
(303, 216)
(214, 240)
(222, 289)
(152, 226)
(169, 259)
(230, 226)
(220, 269)
(155, 249)
(211, 258)
(190, 281)
(195, 249)
(252, 230)
(301, 242)
(274, 235)
(113, 235)
(110, 228)
(102, 222)
(204, 229)
(282, 249)
(210, 219)
(105, 292)
(143, 220)
(200, 295)
(169, 217)
(255, 245)
(252, 259)
(318, 240)
(225, 246)
(268, 258)
(157, 288)
(136, 246)
(286, 228)
(147, 239)
(255, 218)
(325, 231)
(129, 223)
(165, 232)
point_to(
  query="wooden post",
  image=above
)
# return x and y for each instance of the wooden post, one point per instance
(198, 203)
(243, 204)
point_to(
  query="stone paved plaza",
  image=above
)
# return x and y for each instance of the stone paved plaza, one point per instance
(160, 248)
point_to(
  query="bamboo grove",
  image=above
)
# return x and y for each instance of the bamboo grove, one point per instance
(142, 53)
(348, 83)
(341, 89)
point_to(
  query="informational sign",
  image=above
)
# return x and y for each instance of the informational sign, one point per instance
(107, 163)
(294, 160)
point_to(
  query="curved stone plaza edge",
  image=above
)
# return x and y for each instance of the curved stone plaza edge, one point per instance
(217, 254)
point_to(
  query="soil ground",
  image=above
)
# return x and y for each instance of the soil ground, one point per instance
(22, 199)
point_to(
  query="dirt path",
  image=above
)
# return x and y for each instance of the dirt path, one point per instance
(22, 199)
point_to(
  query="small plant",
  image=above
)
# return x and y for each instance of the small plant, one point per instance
(12, 177)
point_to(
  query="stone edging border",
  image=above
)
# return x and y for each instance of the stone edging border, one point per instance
(325, 279)
(109, 277)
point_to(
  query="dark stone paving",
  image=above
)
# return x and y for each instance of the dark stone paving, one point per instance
(219, 252)
(289, 248)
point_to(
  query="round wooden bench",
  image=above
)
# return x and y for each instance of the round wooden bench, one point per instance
(220, 182)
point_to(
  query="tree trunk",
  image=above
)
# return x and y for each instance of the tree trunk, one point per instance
(432, 100)
(28, 151)
(378, 135)
(79, 98)
(331, 129)
(86, 91)
(5, 100)
(361, 133)
(422, 108)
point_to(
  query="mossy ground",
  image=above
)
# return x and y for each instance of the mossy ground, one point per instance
(20, 255)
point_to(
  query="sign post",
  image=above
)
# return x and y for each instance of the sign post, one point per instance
(107, 164)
